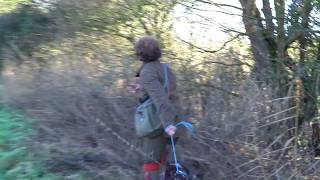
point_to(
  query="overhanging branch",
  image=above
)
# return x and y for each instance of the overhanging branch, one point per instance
(219, 4)
(212, 51)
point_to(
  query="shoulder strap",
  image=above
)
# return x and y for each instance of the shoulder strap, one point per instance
(139, 70)
(166, 84)
(166, 79)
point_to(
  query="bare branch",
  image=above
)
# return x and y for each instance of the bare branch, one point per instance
(277, 121)
(221, 89)
(268, 14)
(219, 4)
(212, 51)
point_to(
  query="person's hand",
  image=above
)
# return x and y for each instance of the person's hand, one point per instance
(133, 88)
(171, 130)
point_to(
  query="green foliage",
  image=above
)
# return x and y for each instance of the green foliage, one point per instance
(317, 4)
(16, 161)
(25, 23)
(129, 19)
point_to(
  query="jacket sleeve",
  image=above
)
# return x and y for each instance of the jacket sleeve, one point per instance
(151, 83)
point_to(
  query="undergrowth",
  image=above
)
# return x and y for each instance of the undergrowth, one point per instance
(17, 162)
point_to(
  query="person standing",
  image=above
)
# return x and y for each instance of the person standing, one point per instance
(151, 78)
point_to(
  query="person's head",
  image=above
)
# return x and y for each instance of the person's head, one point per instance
(147, 49)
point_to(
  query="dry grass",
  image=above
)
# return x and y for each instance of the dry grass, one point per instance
(84, 127)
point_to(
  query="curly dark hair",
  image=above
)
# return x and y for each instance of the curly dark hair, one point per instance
(147, 49)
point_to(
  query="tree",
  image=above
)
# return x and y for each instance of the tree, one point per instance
(271, 45)
(284, 41)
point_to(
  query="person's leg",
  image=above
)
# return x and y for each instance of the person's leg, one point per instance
(154, 149)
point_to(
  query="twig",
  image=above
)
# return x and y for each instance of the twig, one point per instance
(273, 122)
(280, 112)
(219, 4)
(212, 51)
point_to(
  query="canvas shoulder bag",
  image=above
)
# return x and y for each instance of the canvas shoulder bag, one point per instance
(146, 119)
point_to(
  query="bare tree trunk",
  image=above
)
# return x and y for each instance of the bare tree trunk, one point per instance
(270, 29)
(254, 29)
(268, 14)
(281, 49)
(270, 50)
(309, 106)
